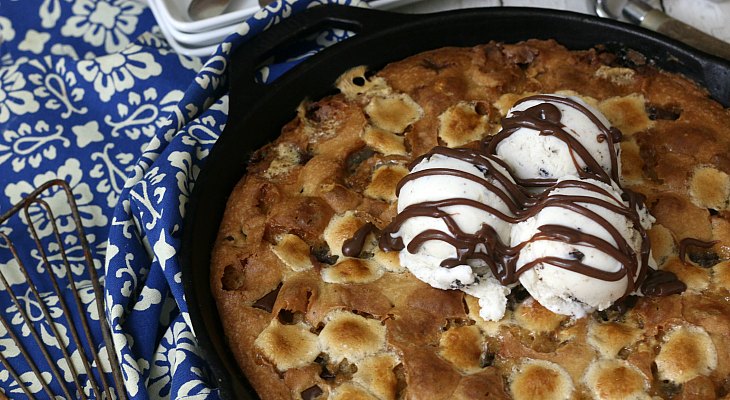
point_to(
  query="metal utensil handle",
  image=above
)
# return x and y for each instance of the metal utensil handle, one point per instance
(664, 24)
(251, 55)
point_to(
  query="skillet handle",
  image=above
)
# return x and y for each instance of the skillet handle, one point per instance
(251, 55)
(662, 23)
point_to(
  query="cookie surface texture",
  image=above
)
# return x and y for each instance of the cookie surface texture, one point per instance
(306, 321)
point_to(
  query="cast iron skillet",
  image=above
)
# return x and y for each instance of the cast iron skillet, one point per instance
(257, 111)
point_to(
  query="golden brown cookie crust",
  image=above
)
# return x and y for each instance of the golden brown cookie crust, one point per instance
(364, 327)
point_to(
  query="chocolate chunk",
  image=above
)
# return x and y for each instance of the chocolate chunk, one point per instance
(625, 304)
(520, 55)
(358, 157)
(486, 358)
(322, 254)
(669, 113)
(630, 58)
(456, 284)
(705, 258)
(482, 108)
(576, 255)
(618, 309)
(266, 303)
(312, 393)
(326, 374)
(286, 317)
(311, 113)
(516, 296)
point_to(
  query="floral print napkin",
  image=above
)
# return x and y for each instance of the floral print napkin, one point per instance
(91, 93)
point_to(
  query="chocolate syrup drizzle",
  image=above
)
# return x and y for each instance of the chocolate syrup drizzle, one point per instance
(545, 118)
(691, 242)
(353, 246)
(485, 244)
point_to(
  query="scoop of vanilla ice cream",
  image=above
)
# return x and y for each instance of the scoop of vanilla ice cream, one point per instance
(534, 156)
(561, 290)
(425, 262)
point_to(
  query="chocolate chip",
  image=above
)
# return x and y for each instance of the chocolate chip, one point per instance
(618, 309)
(304, 157)
(616, 134)
(668, 113)
(266, 303)
(326, 374)
(286, 317)
(456, 284)
(701, 253)
(311, 112)
(629, 58)
(322, 254)
(482, 108)
(648, 154)
(433, 65)
(230, 238)
(520, 55)
(624, 353)
(517, 296)
(486, 358)
(311, 393)
(233, 277)
(669, 389)
(576, 255)
(358, 157)
(626, 304)
(704, 258)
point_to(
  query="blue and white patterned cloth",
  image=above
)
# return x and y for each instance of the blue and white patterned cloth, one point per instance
(91, 93)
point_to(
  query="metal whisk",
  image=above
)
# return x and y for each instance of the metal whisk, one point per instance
(42, 201)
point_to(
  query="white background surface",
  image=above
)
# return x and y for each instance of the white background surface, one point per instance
(710, 16)
(200, 37)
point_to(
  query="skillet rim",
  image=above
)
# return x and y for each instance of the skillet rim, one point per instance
(209, 195)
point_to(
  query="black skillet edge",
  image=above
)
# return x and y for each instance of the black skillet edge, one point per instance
(258, 112)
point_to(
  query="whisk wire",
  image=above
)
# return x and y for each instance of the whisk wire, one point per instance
(61, 298)
(34, 199)
(20, 348)
(29, 322)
